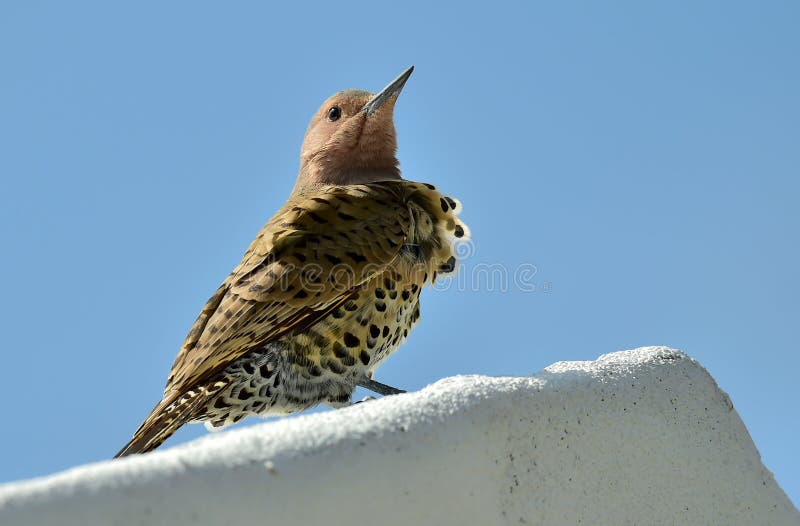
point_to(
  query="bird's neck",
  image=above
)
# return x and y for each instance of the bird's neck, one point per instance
(318, 175)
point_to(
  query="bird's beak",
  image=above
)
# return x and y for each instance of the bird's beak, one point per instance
(390, 91)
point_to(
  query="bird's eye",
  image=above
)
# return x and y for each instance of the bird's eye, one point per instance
(334, 113)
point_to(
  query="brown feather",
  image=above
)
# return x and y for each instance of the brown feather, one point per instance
(164, 420)
(265, 297)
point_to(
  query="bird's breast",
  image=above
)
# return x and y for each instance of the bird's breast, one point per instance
(357, 336)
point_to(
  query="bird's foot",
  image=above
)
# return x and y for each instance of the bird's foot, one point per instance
(377, 387)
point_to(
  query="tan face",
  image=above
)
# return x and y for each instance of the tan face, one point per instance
(342, 139)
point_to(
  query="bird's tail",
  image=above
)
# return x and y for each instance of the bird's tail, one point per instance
(166, 418)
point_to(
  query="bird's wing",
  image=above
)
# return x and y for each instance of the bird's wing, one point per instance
(311, 257)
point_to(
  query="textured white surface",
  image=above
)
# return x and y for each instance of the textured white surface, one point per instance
(637, 437)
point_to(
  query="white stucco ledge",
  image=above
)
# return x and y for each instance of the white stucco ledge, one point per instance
(638, 437)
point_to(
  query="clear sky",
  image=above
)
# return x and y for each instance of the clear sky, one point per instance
(643, 160)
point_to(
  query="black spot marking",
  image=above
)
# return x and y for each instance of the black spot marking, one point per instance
(351, 306)
(380, 294)
(314, 370)
(265, 371)
(451, 202)
(334, 366)
(445, 207)
(220, 403)
(374, 331)
(392, 294)
(449, 265)
(249, 368)
(385, 331)
(244, 395)
(358, 258)
(380, 306)
(316, 218)
(339, 399)
(339, 351)
(318, 339)
(301, 294)
(429, 186)
(364, 357)
(333, 259)
(459, 231)
(346, 217)
(405, 295)
(337, 313)
(351, 340)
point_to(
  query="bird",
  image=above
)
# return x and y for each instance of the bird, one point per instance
(327, 290)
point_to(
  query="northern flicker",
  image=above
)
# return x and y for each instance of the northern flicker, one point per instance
(328, 289)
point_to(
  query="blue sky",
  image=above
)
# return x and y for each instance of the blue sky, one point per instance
(644, 159)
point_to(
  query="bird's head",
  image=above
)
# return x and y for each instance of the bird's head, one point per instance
(351, 139)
